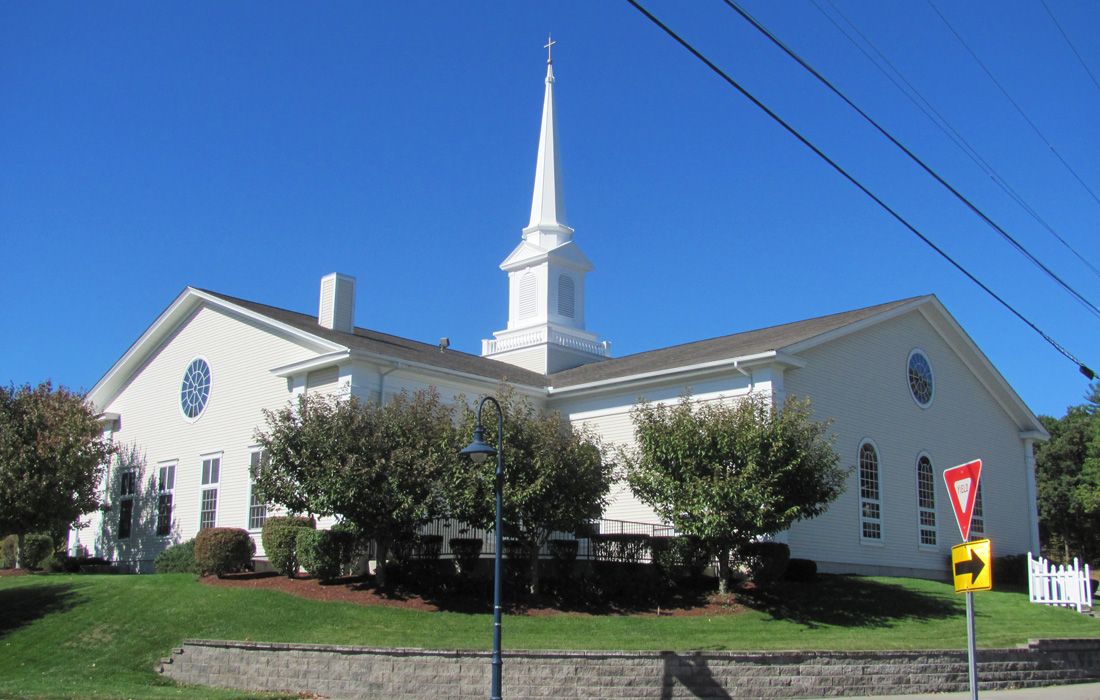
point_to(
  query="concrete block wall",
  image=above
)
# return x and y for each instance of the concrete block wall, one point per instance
(374, 674)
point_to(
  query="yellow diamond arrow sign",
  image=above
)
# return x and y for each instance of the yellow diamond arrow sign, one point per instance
(971, 565)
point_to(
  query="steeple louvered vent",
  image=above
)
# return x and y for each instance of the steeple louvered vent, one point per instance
(566, 296)
(528, 296)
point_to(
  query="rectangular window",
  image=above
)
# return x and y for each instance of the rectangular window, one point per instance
(126, 489)
(211, 466)
(257, 509)
(166, 483)
(926, 501)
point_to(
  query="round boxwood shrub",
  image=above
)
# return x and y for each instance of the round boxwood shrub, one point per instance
(679, 556)
(7, 551)
(36, 548)
(279, 538)
(765, 562)
(224, 550)
(320, 552)
(801, 571)
(178, 559)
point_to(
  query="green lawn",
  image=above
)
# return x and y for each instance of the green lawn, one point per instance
(100, 636)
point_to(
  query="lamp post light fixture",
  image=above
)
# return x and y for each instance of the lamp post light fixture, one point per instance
(479, 450)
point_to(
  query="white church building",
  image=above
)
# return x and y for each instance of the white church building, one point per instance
(908, 392)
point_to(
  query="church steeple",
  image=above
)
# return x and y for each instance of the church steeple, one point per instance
(548, 225)
(546, 273)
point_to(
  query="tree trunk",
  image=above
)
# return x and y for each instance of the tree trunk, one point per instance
(533, 554)
(723, 571)
(19, 550)
(380, 561)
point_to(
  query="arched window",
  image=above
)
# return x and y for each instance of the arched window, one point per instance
(566, 295)
(870, 503)
(528, 295)
(926, 501)
(977, 521)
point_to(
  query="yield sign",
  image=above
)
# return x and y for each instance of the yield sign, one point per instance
(962, 488)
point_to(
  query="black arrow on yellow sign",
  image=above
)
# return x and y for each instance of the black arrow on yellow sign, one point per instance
(973, 566)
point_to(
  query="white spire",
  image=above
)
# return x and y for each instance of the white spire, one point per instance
(548, 221)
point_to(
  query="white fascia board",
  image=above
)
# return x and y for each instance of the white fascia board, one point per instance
(308, 365)
(378, 358)
(771, 357)
(985, 371)
(177, 312)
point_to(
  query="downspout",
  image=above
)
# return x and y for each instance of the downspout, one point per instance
(382, 382)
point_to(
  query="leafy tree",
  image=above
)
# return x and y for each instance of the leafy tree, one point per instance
(555, 477)
(377, 466)
(1065, 521)
(52, 459)
(732, 471)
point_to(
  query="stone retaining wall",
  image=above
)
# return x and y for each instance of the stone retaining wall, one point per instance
(393, 674)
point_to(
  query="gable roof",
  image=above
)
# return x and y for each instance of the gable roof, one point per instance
(747, 344)
(396, 347)
(773, 344)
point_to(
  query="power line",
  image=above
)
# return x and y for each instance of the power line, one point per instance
(794, 132)
(943, 124)
(1013, 102)
(1071, 46)
(1004, 234)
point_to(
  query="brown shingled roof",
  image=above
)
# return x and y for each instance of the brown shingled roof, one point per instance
(721, 348)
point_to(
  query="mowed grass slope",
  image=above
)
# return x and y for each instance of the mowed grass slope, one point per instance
(100, 636)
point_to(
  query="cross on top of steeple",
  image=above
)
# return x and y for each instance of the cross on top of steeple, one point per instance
(550, 42)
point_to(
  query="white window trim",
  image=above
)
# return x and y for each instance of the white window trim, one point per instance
(254, 449)
(174, 464)
(931, 371)
(214, 485)
(209, 393)
(933, 510)
(863, 540)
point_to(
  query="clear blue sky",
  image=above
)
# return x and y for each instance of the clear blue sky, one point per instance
(250, 148)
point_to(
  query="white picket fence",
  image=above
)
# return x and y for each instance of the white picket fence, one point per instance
(1068, 586)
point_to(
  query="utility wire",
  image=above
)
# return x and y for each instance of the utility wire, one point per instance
(940, 121)
(1004, 234)
(1009, 98)
(1071, 46)
(733, 83)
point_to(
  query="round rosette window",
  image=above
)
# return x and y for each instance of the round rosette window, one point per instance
(920, 379)
(195, 390)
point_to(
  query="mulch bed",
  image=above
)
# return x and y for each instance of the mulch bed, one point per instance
(361, 591)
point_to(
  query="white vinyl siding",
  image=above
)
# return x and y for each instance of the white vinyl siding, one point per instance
(860, 382)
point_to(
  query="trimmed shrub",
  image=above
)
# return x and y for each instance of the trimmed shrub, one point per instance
(56, 563)
(563, 554)
(801, 571)
(679, 557)
(429, 547)
(224, 550)
(467, 552)
(764, 562)
(1010, 570)
(178, 559)
(35, 550)
(7, 551)
(279, 537)
(320, 552)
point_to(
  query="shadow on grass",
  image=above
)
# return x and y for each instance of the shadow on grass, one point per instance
(22, 605)
(849, 601)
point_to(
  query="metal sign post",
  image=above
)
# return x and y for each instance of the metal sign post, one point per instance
(970, 560)
(971, 645)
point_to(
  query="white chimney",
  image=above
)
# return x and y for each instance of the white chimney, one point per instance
(337, 302)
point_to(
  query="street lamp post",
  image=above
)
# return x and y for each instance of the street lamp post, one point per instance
(479, 451)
